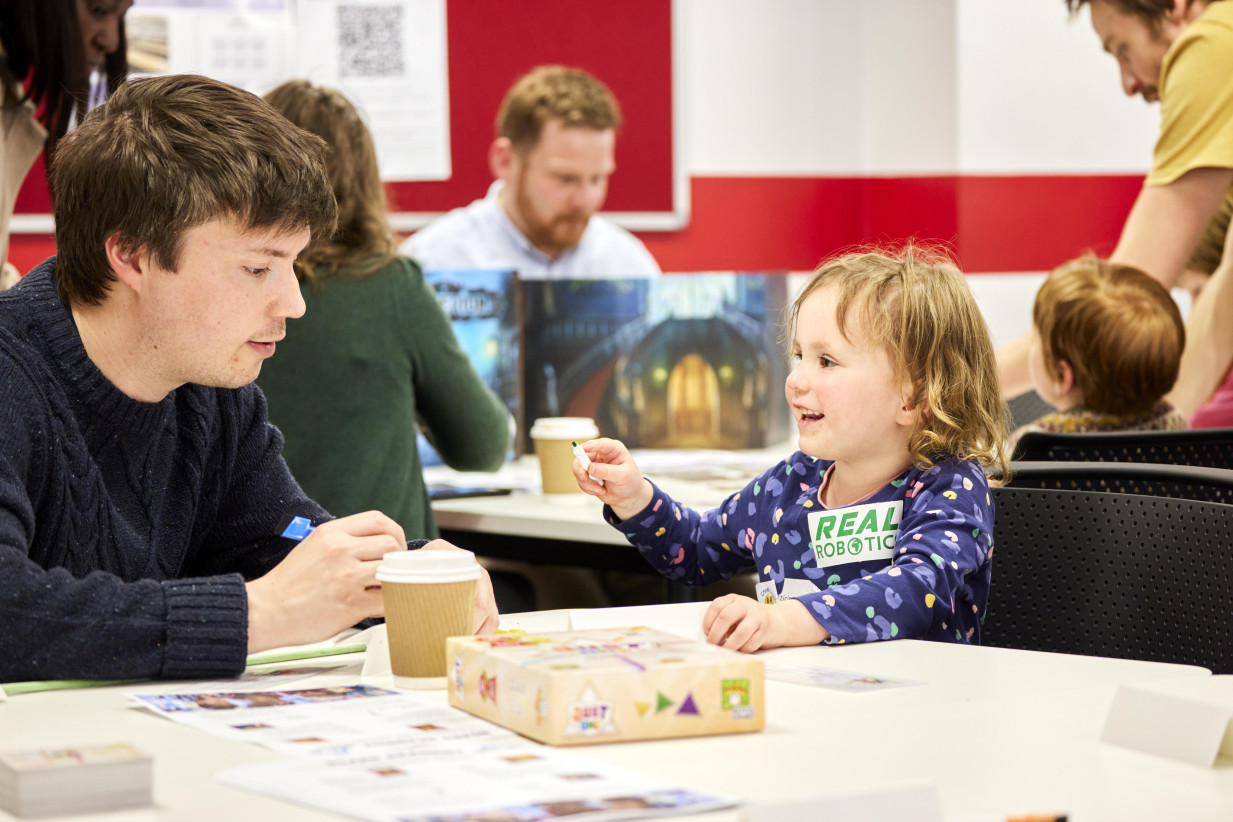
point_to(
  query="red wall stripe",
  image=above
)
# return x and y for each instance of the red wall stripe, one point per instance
(1036, 223)
(992, 223)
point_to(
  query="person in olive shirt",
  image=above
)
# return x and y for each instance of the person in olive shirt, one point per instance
(374, 354)
(1178, 53)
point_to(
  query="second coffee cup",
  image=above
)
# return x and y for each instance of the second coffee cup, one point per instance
(554, 438)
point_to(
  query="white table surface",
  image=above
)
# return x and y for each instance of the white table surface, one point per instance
(998, 732)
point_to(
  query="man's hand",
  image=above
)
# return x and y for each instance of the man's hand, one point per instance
(744, 624)
(326, 584)
(486, 616)
(624, 488)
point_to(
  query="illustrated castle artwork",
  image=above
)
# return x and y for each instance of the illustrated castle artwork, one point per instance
(685, 361)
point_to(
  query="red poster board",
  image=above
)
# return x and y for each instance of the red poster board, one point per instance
(627, 44)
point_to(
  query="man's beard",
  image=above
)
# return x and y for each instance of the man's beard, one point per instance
(554, 235)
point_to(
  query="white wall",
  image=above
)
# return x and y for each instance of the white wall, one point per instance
(904, 87)
(909, 123)
(772, 88)
(1037, 94)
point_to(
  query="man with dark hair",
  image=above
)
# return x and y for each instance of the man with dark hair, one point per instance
(143, 495)
(552, 157)
(1178, 53)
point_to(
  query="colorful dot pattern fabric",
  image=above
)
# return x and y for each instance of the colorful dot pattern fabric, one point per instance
(935, 584)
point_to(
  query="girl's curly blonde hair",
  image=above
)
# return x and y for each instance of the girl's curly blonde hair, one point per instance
(915, 303)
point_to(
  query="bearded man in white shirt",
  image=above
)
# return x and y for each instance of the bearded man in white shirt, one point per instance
(552, 157)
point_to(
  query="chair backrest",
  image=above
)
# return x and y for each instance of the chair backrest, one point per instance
(1027, 407)
(1112, 575)
(1212, 447)
(1144, 479)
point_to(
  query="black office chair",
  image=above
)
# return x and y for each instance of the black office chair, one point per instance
(1113, 575)
(1212, 447)
(1143, 479)
(1027, 407)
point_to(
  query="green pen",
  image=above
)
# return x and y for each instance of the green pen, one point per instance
(310, 653)
(585, 460)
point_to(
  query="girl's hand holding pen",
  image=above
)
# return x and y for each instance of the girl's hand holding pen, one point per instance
(624, 488)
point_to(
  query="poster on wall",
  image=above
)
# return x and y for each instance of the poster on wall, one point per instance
(686, 361)
(387, 56)
(242, 42)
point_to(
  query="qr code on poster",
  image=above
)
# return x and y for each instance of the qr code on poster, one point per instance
(370, 41)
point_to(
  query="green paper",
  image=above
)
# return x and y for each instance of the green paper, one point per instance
(34, 686)
(311, 653)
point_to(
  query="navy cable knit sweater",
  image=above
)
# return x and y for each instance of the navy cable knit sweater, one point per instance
(127, 529)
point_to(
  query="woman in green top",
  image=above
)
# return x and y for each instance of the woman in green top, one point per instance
(374, 357)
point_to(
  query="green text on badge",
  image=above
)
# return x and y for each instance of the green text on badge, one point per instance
(861, 533)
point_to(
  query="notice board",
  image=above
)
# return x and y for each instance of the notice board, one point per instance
(629, 45)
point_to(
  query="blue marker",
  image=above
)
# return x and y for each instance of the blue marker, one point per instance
(298, 528)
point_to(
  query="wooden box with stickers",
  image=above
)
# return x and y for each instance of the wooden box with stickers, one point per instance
(587, 687)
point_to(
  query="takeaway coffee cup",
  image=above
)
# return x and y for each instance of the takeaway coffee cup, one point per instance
(554, 438)
(429, 596)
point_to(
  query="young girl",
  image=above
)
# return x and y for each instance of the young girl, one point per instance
(881, 525)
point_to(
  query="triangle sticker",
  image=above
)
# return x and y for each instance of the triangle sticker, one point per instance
(662, 702)
(642, 707)
(688, 706)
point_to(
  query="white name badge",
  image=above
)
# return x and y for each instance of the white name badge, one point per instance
(862, 533)
(791, 589)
